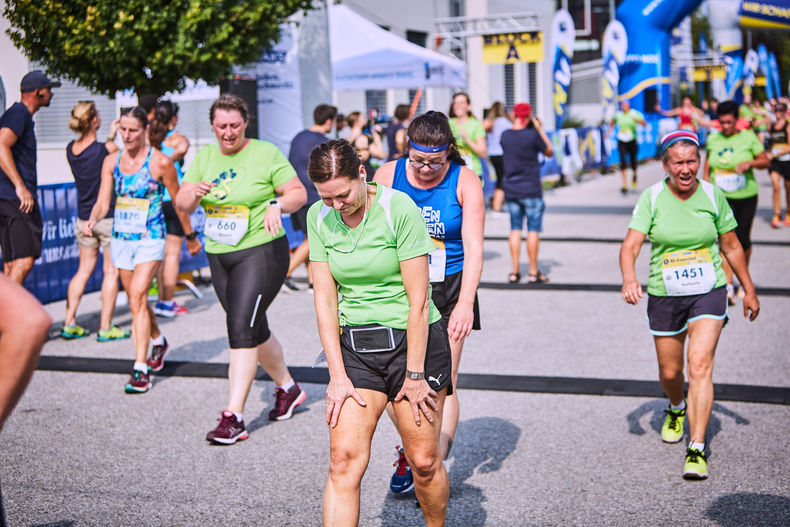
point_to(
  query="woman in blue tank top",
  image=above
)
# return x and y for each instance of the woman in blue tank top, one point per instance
(138, 175)
(451, 199)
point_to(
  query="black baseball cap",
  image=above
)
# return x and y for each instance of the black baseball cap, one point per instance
(36, 80)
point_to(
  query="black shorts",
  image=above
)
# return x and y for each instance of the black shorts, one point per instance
(246, 283)
(670, 315)
(781, 167)
(299, 219)
(629, 148)
(20, 232)
(385, 371)
(445, 297)
(172, 223)
(499, 169)
(743, 210)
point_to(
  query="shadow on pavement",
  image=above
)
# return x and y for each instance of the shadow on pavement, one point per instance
(473, 451)
(736, 510)
(656, 409)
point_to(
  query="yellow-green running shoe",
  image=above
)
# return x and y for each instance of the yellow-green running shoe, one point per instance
(74, 332)
(114, 333)
(696, 466)
(672, 431)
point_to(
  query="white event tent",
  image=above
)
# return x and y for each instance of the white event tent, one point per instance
(367, 57)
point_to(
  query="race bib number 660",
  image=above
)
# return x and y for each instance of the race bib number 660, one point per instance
(226, 223)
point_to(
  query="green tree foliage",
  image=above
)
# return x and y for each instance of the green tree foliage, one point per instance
(148, 45)
(700, 24)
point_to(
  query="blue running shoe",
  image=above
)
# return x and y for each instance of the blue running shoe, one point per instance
(402, 480)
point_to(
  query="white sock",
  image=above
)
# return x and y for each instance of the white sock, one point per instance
(681, 406)
(158, 341)
(141, 366)
(288, 385)
(697, 446)
(239, 417)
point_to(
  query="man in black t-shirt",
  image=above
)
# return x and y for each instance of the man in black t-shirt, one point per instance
(20, 218)
(299, 156)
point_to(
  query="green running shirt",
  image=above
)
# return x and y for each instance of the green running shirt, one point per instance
(674, 225)
(724, 154)
(369, 278)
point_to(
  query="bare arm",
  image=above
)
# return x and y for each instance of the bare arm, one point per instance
(180, 145)
(23, 330)
(549, 151)
(8, 139)
(110, 144)
(385, 174)
(102, 205)
(292, 196)
(340, 387)
(473, 210)
(376, 147)
(632, 289)
(733, 251)
(761, 160)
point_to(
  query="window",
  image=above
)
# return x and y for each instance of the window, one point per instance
(376, 100)
(417, 37)
(52, 122)
(510, 88)
(421, 106)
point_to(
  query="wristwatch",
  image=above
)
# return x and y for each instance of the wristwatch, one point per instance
(415, 375)
(191, 236)
(274, 203)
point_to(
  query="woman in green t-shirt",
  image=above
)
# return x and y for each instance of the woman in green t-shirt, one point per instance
(732, 157)
(470, 136)
(685, 218)
(383, 337)
(237, 180)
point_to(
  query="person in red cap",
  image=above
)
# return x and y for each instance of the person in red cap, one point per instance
(20, 218)
(522, 186)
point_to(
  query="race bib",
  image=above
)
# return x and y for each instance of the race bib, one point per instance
(729, 180)
(437, 261)
(778, 147)
(227, 223)
(626, 136)
(131, 215)
(688, 272)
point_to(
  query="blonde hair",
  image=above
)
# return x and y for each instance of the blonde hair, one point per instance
(82, 116)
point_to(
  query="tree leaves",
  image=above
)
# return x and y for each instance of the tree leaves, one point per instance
(151, 46)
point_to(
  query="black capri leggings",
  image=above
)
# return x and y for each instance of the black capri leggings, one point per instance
(744, 210)
(627, 148)
(499, 169)
(246, 282)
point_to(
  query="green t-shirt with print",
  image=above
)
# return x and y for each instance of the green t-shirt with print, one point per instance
(626, 124)
(474, 131)
(245, 186)
(365, 261)
(676, 226)
(724, 154)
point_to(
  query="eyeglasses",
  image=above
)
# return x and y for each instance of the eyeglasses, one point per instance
(417, 165)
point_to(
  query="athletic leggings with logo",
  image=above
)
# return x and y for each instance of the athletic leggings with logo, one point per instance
(246, 282)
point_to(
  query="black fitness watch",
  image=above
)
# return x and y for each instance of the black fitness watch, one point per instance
(191, 236)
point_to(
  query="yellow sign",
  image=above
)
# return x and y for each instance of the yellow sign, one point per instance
(706, 73)
(508, 48)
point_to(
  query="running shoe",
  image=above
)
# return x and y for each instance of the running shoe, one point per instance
(114, 333)
(787, 219)
(402, 480)
(157, 359)
(285, 402)
(633, 185)
(696, 466)
(74, 332)
(672, 431)
(169, 309)
(139, 382)
(624, 190)
(289, 286)
(228, 431)
(776, 221)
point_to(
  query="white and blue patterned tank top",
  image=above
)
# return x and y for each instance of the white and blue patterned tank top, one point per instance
(141, 185)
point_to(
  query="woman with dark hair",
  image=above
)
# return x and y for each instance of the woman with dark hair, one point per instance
(495, 123)
(688, 220)
(383, 337)
(238, 181)
(86, 156)
(470, 136)
(138, 175)
(732, 157)
(450, 198)
(779, 134)
(174, 145)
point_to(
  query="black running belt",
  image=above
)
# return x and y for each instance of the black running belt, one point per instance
(553, 286)
(470, 381)
(583, 239)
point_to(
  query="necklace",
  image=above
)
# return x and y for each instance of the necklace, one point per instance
(349, 231)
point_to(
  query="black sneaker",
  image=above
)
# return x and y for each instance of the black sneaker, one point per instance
(289, 286)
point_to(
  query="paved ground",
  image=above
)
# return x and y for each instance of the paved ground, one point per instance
(78, 451)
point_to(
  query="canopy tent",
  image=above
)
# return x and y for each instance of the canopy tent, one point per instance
(366, 57)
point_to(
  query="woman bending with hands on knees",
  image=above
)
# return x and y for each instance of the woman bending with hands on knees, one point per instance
(687, 297)
(138, 175)
(383, 338)
(451, 200)
(237, 180)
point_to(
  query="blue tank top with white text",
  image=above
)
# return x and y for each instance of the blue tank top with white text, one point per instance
(141, 185)
(168, 150)
(440, 208)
